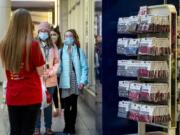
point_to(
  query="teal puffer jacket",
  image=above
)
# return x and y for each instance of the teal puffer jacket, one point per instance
(80, 65)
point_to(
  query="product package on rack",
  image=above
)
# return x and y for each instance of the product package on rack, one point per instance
(154, 114)
(155, 92)
(134, 91)
(147, 46)
(143, 10)
(128, 68)
(143, 24)
(150, 46)
(128, 46)
(123, 109)
(154, 46)
(133, 23)
(148, 113)
(134, 111)
(143, 69)
(147, 92)
(153, 23)
(163, 46)
(154, 70)
(146, 24)
(123, 25)
(161, 23)
(124, 88)
(122, 45)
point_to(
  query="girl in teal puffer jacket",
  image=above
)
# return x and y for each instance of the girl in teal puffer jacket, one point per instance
(73, 77)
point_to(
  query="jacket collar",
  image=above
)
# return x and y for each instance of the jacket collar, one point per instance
(73, 46)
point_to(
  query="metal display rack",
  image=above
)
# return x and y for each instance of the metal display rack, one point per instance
(170, 127)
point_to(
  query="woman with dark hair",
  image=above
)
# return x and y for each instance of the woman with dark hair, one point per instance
(56, 37)
(57, 42)
(73, 77)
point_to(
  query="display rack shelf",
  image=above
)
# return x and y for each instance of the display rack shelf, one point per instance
(170, 11)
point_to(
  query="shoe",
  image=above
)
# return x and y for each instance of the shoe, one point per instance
(49, 131)
(37, 132)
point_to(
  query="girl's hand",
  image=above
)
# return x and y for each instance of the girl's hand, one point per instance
(46, 75)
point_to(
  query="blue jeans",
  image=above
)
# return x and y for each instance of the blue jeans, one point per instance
(47, 112)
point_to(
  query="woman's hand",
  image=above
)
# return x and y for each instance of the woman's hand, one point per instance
(46, 74)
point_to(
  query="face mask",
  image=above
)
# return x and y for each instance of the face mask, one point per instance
(69, 41)
(43, 35)
(54, 38)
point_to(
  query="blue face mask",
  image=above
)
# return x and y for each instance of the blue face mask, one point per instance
(69, 41)
(43, 35)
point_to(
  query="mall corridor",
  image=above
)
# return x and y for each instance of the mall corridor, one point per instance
(85, 16)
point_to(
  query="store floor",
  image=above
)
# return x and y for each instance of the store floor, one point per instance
(85, 121)
(152, 133)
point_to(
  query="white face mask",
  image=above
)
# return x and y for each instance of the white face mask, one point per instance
(43, 36)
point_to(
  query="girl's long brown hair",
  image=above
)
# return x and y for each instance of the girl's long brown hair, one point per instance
(76, 37)
(59, 41)
(17, 41)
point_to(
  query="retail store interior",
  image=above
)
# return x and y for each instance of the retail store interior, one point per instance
(134, 70)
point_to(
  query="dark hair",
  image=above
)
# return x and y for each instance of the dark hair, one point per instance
(59, 41)
(76, 37)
